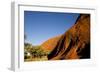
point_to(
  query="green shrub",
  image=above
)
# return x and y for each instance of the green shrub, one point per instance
(35, 51)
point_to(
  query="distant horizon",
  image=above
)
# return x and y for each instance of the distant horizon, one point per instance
(41, 26)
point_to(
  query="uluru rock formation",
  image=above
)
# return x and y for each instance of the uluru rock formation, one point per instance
(75, 42)
(50, 44)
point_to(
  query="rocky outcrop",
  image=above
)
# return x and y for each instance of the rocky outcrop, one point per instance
(74, 43)
(50, 44)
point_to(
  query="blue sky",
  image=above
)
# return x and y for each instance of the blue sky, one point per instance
(40, 26)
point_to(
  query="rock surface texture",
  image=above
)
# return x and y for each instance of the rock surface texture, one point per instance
(74, 43)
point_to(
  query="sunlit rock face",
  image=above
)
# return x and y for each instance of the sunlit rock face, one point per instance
(50, 44)
(74, 43)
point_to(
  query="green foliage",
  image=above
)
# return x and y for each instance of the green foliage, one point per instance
(26, 56)
(34, 51)
(38, 52)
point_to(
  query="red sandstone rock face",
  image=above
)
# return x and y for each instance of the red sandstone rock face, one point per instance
(74, 43)
(50, 44)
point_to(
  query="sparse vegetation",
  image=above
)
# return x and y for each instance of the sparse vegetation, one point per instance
(34, 53)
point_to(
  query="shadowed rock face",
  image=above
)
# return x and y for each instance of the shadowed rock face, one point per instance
(74, 43)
